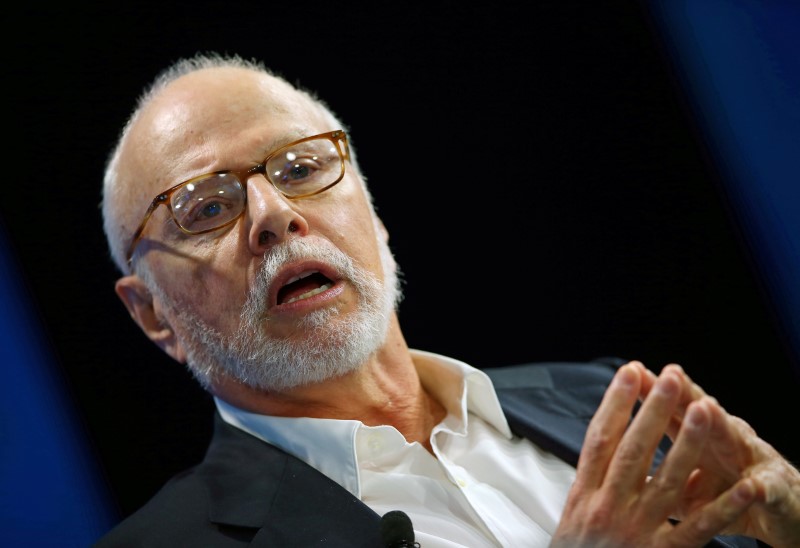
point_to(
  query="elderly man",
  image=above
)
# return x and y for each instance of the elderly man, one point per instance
(268, 273)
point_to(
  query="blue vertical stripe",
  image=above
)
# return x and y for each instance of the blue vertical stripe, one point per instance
(51, 489)
(739, 64)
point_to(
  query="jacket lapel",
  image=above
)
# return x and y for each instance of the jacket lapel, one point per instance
(280, 499)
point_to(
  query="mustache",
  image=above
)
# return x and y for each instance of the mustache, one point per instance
(288, 251)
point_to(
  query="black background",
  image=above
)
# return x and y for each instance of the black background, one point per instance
(571, 211)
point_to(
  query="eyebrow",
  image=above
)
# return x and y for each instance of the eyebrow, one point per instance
(269, 147)
(293, 134)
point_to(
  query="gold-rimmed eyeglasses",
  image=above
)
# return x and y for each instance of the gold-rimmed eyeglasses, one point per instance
(214, 200)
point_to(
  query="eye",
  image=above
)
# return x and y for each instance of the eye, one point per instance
(299, 171)
(305, 167)
(207, 203)
(206, 214)
(210, 210)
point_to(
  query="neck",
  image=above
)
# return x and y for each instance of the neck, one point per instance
(386, 390)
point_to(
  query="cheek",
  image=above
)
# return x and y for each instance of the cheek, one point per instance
(348, 223)
(212, 292)
(350, 212)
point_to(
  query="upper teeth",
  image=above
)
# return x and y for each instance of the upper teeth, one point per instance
(300, 277)
(311, 293)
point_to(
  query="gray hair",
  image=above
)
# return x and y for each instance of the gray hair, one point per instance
(117, 197)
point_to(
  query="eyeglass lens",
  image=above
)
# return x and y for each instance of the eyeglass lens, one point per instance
(208, 203)
(297, 170)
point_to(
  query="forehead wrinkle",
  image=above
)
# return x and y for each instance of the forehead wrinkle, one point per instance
(237, 136)
(187, 130)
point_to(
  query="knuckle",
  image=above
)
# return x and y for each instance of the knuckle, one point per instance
(600, 517)
(598, 440)
(630, 452)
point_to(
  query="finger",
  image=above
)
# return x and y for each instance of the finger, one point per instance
(733, 444)
(634, 455)
(715, 517)
(666, 488)
(607, 426)
(648, 378)
(778, 488)
(735, 451)
(648, 382)
(695, 392)
(690, 391)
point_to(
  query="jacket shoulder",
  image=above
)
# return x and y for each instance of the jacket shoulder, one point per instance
(551, 403)
(174, 516)
(248, 492)
(555, 374)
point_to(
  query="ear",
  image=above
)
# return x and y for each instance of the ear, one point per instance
(147, 311)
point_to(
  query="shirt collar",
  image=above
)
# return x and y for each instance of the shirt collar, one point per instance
(462, 389)
(329, 445)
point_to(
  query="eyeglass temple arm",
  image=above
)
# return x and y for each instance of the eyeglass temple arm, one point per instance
(157, 201)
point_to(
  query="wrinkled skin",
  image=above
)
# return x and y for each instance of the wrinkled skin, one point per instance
(719, 477)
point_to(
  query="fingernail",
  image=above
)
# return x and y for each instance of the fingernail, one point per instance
(673, 367)
(664, 385)
(695, 417)
(625, 376)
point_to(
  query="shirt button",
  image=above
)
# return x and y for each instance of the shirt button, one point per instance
(461, 482)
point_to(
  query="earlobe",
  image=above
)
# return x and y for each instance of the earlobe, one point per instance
(147, 311)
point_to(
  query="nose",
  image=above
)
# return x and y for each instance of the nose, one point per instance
(270, 216)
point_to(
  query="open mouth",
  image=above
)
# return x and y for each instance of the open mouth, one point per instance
(303, 286)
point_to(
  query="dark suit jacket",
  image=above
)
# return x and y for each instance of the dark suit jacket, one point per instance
(248, 492)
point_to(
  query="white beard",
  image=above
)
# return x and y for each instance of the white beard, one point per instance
(330, 346)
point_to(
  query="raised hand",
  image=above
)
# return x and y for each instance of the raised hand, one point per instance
(735, 453)
(718, 476)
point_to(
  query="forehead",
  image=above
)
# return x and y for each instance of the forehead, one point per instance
(209, 118)
(212, 100)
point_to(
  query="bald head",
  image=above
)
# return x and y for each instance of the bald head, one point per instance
(167, 137)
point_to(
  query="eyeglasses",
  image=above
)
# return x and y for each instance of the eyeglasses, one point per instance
(214, 200)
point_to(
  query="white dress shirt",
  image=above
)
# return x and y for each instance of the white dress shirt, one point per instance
(484, 487)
